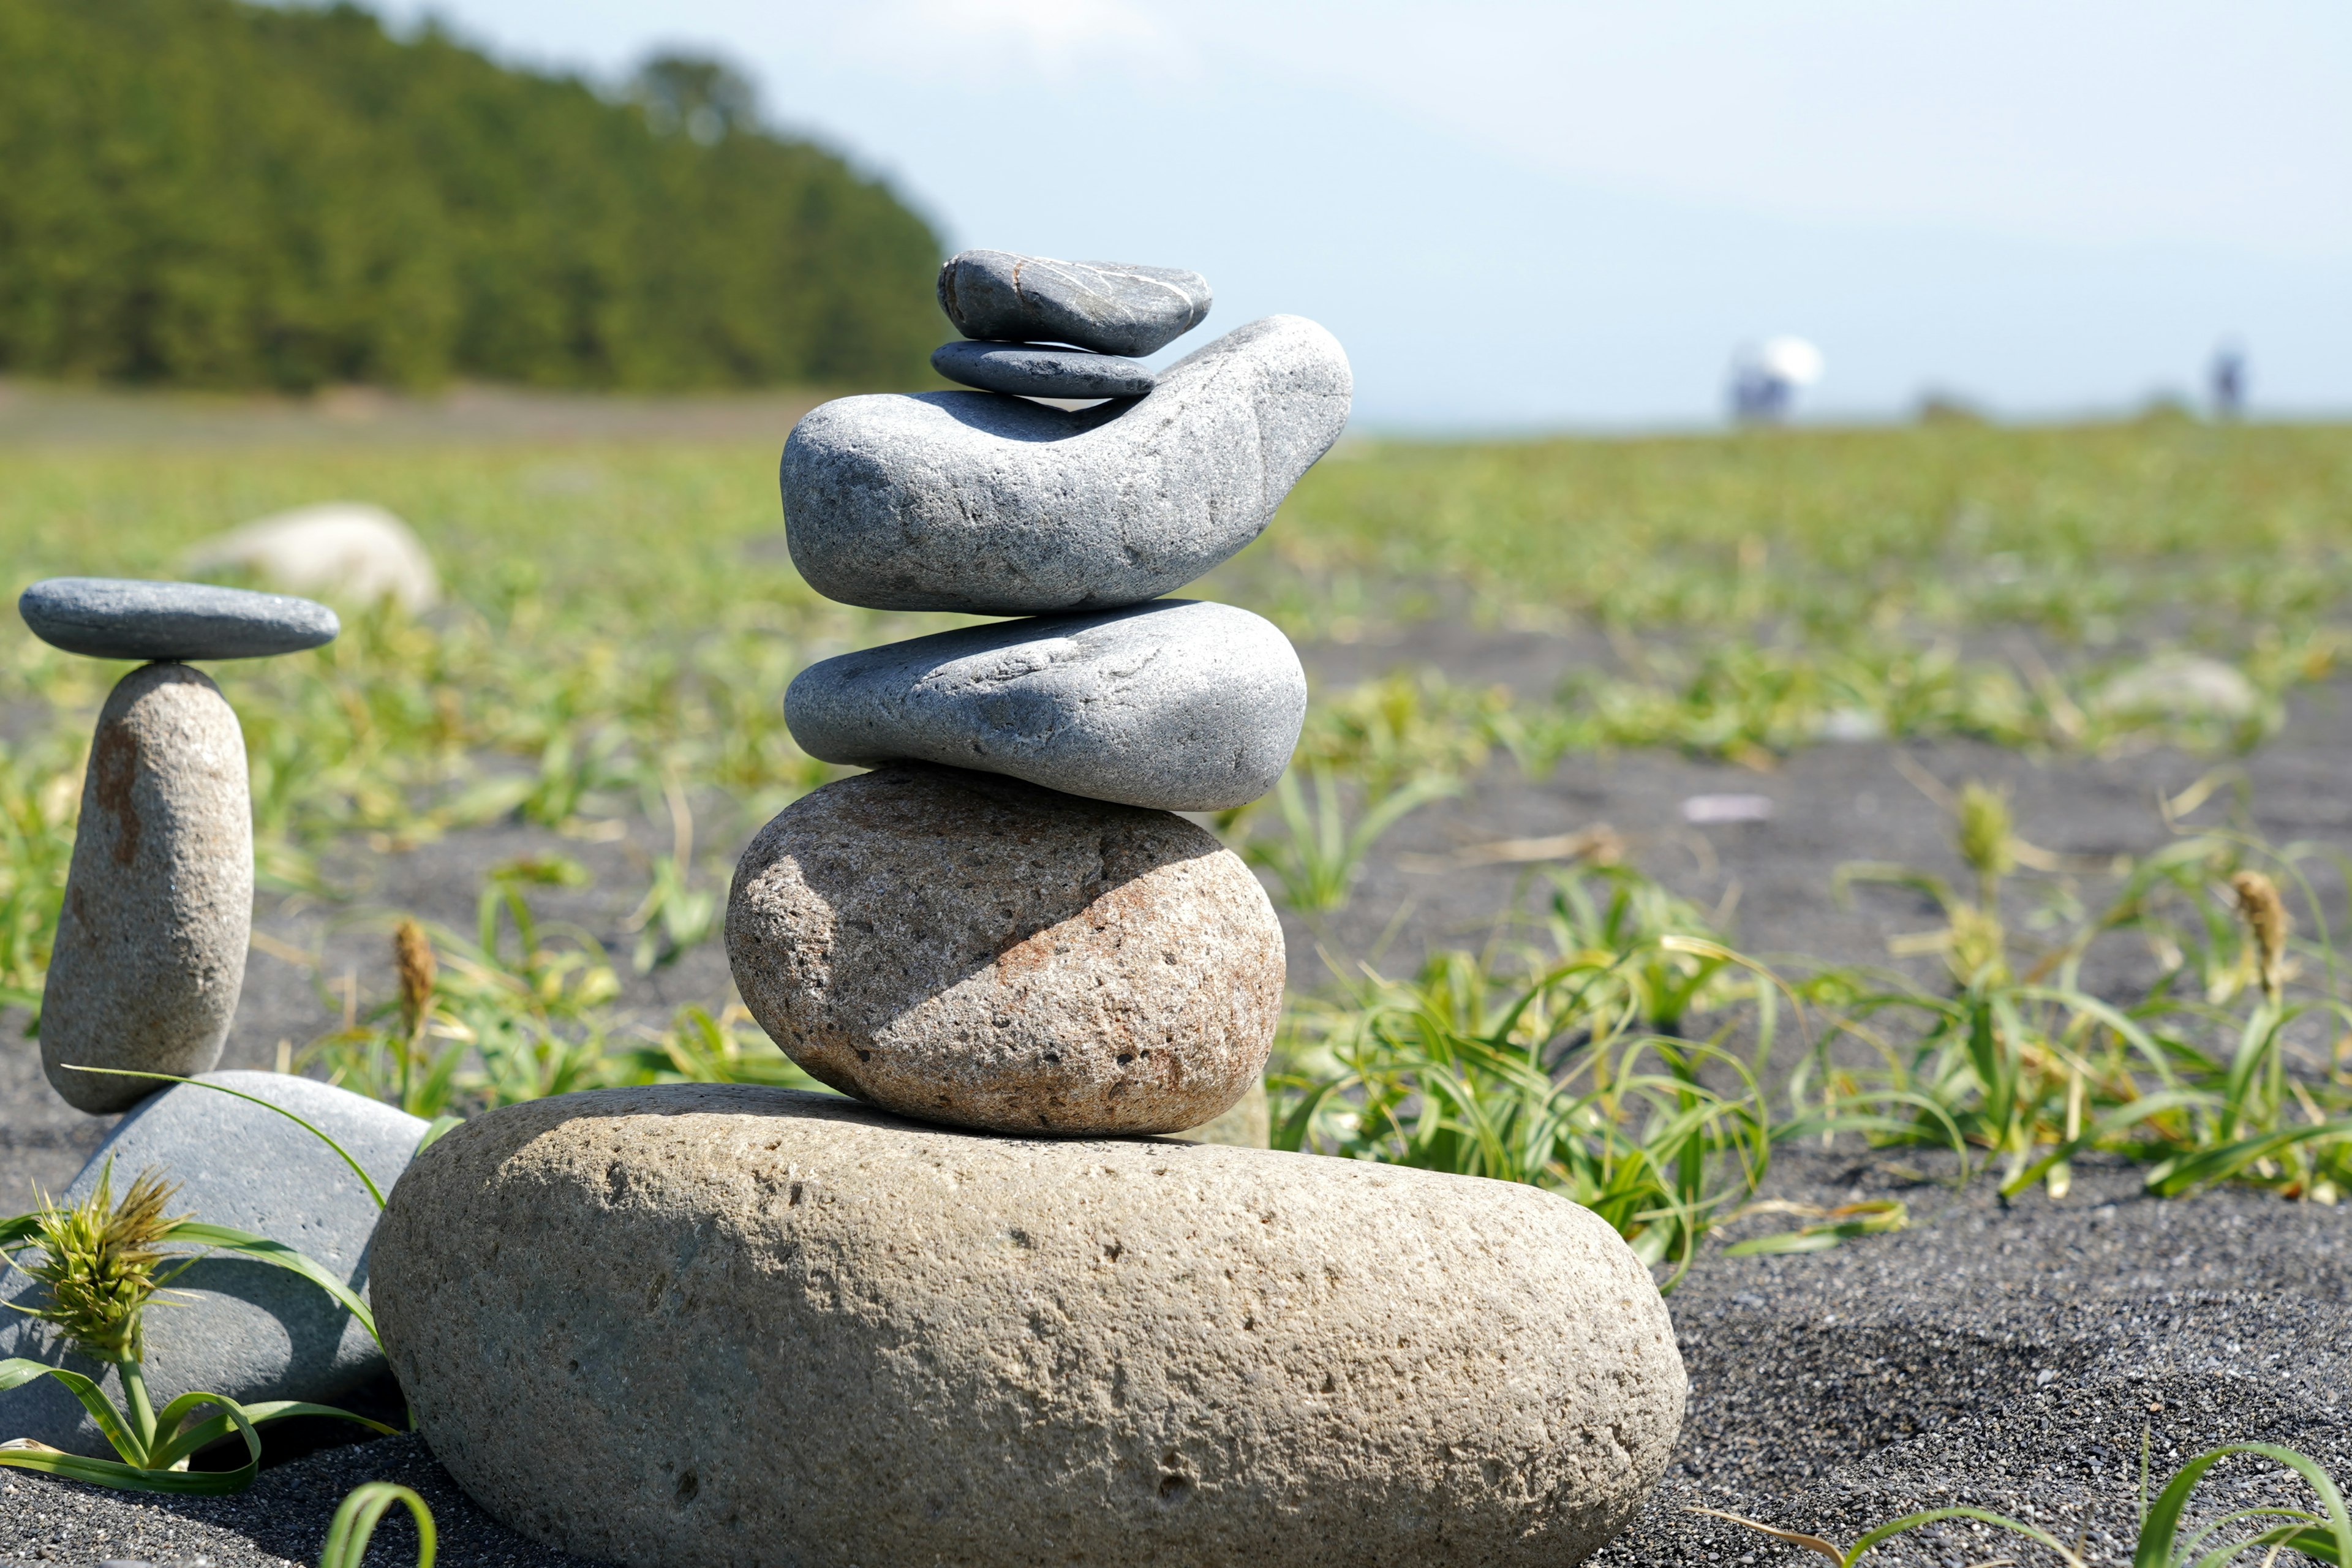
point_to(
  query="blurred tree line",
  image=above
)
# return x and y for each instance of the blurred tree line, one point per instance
(213, 193)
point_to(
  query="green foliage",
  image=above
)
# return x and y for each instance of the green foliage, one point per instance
(2197, 1077)
(1563, 1066)
(209, 191)
(357, 1516)
(2163, 1542)
(99, 1262)
(1321, 854)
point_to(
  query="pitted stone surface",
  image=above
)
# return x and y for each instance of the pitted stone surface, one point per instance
(120, 617)
(720, 1324)
(1110, 307)
(961, 500)
(1032, 370)
(975, 951)
(231, 1326)
(151, 944)
(1182, 705)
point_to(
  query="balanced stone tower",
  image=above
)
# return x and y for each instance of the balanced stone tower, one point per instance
(970, 1316)
(150, 953)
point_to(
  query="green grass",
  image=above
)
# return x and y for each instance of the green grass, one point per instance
(624, 621)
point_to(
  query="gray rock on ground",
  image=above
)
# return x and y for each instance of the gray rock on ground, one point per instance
(1031, 370)
(150, 943)
(995, 506)
(346, 550)
(123, 618)
(974, 950)
(229, 1325)
(1182, 705)
(723, 1324)
(1110, 307)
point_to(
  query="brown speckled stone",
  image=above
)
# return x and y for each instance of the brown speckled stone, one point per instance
(973, 950)
(158, 902)
(703, 1325)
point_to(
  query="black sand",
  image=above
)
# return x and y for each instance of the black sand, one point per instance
(2005, 1357)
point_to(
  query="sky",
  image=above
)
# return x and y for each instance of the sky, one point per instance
(1520, 216)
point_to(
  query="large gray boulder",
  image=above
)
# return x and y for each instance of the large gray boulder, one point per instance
(1182, 705)
(1111, 307)
(972, 950)
(151, 944)
(703, 1324)
(997, 506)
(229, 1325)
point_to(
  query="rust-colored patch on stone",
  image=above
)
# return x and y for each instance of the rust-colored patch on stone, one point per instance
(113, 771)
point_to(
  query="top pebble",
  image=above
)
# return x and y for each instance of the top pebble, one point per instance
(122, 618)
(1106, 306)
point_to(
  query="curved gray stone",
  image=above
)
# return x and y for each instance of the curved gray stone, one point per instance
(1031, 370)
(1182, 705)
(995, 506)
(232, 1327)
(719, 1324)
(1110, 307)
(124, 617)
(980, 952)
(151, 944)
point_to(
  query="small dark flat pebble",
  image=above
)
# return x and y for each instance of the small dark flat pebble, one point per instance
(1030, 369)
(123, 618)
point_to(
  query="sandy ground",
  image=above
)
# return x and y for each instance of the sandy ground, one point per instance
(2002, 1356)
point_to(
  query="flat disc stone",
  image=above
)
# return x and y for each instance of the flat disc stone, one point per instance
(1111, 307)
(1030, 371)
(125, 617)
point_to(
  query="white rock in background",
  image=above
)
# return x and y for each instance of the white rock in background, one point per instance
(343, 550)
(2179, 686)
(229, 1325)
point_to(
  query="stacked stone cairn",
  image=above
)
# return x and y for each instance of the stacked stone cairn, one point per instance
(144, 977)
(970, 1315)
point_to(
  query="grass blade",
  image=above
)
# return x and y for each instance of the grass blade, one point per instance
(356, 1518)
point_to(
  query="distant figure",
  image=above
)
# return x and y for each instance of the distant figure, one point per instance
(2229, 382)
(1766, 379)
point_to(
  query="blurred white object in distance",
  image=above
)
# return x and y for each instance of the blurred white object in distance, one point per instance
(1766, 378)
(1702, 809)
(340, 549)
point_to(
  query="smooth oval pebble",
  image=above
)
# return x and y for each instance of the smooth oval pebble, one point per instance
(1183, 705)
(975, 951)
(997, 506)
(123, 618)
(231, 1326)
(151, 942)
(1110, 307)
(720, 1324)
(1030, 369)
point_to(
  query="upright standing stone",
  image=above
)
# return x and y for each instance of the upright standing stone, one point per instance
(158, 912)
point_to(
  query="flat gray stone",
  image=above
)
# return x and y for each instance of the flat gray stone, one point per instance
(1031, 370)
(724, 1326)
(241, 1329)
(124, 617)
(1111, 307)
(977, 951)
(996, 506)
(1186, 706)
(151, 944)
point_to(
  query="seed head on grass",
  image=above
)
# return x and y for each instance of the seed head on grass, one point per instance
(2264, 912)
(1988, 838)
(100, 1259)
(412, 954)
